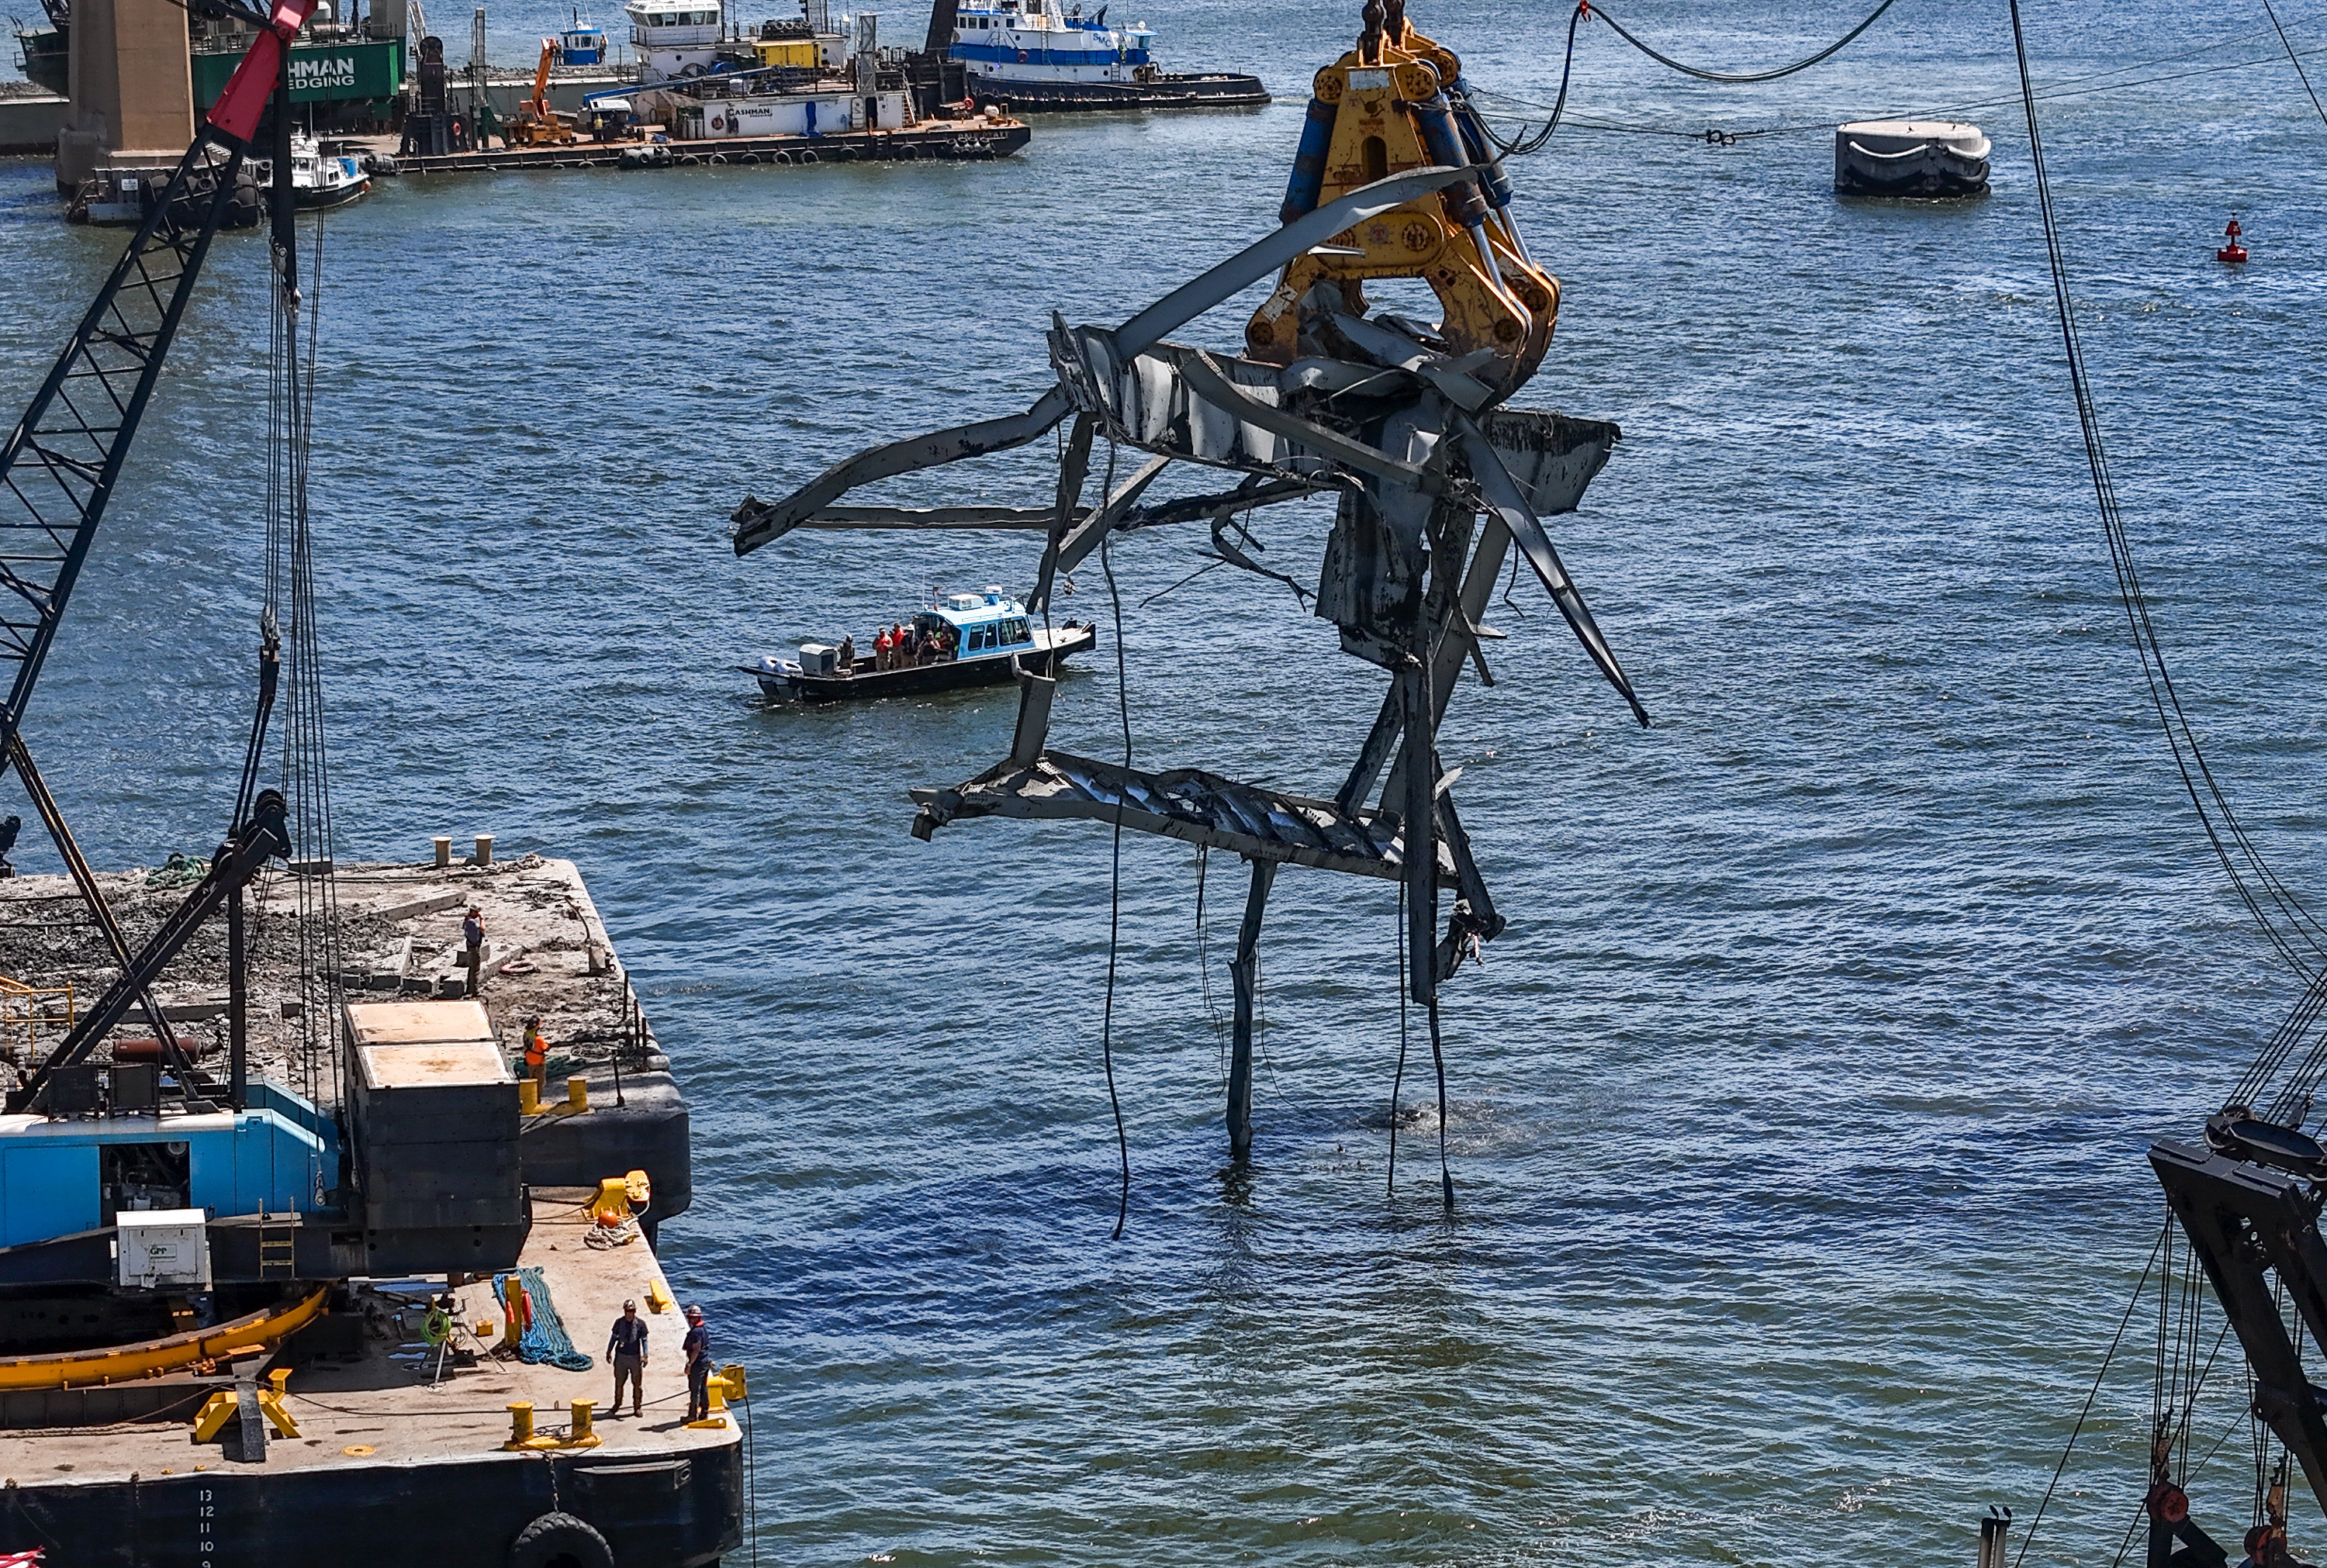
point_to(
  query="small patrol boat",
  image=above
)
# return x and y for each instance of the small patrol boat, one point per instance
(963, 640)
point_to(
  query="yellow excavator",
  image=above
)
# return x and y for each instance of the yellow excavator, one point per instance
(535, 124)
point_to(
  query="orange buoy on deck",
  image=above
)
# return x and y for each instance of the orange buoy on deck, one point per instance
(2232, 252)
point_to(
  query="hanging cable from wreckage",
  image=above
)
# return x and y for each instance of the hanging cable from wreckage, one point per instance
(1407, 424)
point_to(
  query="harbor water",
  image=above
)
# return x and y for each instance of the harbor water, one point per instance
(1796, 1121)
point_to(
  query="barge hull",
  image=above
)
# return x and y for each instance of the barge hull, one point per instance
(675, 1512)
(1223, 91)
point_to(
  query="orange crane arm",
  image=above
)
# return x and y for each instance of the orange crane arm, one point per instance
(541, 79)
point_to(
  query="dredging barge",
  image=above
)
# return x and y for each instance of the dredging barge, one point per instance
(292, 1263)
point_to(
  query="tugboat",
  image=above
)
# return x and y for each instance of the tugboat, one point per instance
(963, 640)
(1030, 55)
(320, 180)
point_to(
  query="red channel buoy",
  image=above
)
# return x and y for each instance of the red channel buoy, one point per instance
(2232, 253)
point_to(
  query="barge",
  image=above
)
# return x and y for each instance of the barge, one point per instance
(103, 1392)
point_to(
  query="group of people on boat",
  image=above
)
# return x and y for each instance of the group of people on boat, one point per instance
(902, 647)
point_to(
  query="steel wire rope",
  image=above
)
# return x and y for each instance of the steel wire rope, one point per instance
(2061, 92)
(1741, 78)
(1204, 964)
(2179, 734)
(2293, 59)
(1115, 880)
(1526, 143)
(1398, 1079)
(2114, 1340)
(1438, 1060)
(2072, 87)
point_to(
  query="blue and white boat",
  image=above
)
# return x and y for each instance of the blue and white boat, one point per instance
(962, 640)
(1040, 54)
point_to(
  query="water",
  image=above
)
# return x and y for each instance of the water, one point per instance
(1797, 1120)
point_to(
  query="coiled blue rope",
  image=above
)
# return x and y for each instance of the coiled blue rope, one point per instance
(546, 1340)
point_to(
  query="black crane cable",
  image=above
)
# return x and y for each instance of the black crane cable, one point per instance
(1115, 884)
(2117, 1339)
(2180, 737)
(2293, 59)
(2070, 87)
(1530, 142)
(1397, 1081)
(1741, 78)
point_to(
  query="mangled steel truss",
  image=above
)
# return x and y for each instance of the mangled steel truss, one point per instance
(1401, 421)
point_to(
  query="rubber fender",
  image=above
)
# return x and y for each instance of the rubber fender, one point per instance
(1308, 181)
(555, 1538)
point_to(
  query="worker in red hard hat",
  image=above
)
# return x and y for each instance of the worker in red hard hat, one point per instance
(696, 1348)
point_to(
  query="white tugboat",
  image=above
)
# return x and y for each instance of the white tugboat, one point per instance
(320, 179)
(1039, 54)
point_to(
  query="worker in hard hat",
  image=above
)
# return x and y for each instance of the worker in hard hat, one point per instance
(537, 1054)
(697, 1348)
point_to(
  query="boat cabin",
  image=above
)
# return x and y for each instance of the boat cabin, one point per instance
(582, 45)
(675, 38)
(985, 625)
(1036, 41)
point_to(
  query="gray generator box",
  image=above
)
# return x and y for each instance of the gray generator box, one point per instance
(436, 1116)
(819, 658)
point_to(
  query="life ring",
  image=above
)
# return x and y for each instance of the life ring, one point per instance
(719, 123)
(1021, 57)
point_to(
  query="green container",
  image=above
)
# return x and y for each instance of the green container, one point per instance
(352, 72)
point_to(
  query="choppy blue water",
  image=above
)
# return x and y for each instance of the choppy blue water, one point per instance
(1797, 1119)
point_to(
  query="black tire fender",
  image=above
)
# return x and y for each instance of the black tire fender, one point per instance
(559, 1539)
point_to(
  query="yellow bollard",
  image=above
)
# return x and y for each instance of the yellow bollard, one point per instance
(714, 1389)
(732, 1374)
(520, 1425)
(529, 1097)
(581, 1436)
(577, 1094)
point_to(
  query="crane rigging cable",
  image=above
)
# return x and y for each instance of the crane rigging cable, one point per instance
(1500, 106)
(2303, 943)
(1742, 79)
(2293, 59)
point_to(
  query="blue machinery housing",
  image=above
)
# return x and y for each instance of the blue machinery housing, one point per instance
(67, 1176)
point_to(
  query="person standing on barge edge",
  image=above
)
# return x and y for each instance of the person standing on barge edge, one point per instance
(472, 944)
(626, 1347)
(697, 1348)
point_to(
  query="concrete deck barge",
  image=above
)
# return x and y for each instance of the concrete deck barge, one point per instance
(391, 1454)
(954, 141)
(402, 1435)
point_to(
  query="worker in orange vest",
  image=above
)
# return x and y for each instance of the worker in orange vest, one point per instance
(537, 1054)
